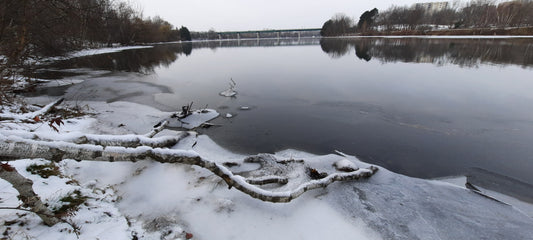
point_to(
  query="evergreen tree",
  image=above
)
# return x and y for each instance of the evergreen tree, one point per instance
(367, 19)
(185, 35)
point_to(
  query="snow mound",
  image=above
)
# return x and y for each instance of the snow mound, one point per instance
(196, 119)
(345, 165)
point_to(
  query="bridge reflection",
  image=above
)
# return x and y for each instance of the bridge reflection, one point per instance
(260, 42)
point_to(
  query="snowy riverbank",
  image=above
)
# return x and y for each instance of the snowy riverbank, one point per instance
(151, 200)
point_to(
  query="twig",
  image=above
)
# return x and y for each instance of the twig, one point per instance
(157, 128)
(74, 227)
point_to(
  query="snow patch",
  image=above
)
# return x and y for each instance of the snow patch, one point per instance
(196, 119)
(345, 165)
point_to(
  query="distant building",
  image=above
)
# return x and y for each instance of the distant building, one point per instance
(432, 7)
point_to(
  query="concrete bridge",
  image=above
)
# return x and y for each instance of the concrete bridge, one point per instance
(280, 33)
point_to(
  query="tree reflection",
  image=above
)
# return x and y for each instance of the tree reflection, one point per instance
(361, 51)
(462, 52)
(335, 48)
(140, 60)
(146, 60)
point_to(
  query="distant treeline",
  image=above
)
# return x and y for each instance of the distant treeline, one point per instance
(424, 17)
(53, 27)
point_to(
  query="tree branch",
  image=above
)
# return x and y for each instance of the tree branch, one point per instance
(128, 140)
(74, 227)
(16, 147)
(27, 195)
(267, 180)
(157, 128)
(31, 115)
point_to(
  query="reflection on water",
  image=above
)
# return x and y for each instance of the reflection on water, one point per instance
(143, 61)
(426, 120)
(463, 52)
(162, 55)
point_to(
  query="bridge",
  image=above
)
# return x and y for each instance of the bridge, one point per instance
(271, 33)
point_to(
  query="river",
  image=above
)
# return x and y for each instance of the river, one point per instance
(423, 107)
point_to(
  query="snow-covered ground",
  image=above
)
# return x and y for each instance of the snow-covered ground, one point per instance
(97, 51)
(150, 200)
(446, 36)
(92, 51)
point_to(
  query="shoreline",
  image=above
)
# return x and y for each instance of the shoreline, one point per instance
(183, 199)
(519, 31)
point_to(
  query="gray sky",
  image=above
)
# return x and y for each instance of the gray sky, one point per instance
(228, 15)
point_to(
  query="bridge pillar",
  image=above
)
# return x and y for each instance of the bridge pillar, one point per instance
(257, 35)
(238, 36)
(279, 34)
(299, 34)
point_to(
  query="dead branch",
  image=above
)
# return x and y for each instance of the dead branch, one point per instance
(128, 140)
(29, 117)
(283, 197)
(16, 147)
(157, 128)
(27, 195)
(267, 180)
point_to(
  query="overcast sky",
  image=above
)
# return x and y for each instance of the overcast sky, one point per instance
(228, 15)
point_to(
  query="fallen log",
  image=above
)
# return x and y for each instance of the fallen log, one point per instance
(14, 147)
(27, 195)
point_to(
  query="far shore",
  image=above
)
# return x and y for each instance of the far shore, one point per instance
(522, 31)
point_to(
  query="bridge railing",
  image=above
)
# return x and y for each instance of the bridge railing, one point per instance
(292, 33)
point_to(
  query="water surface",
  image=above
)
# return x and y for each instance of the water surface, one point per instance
(422, 107)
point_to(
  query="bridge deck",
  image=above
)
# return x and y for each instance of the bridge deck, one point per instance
(272, 31)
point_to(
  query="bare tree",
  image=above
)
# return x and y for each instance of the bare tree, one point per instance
(339, 24)
(474, 14)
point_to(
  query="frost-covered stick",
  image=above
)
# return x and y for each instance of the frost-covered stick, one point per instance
(31, 115)
(27, 195)
(14, 147)
(131, 140)
(128, 140)
(158, 128)
(284, 197)
(267, 180)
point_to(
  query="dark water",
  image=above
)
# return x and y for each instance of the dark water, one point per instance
(421, 107)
